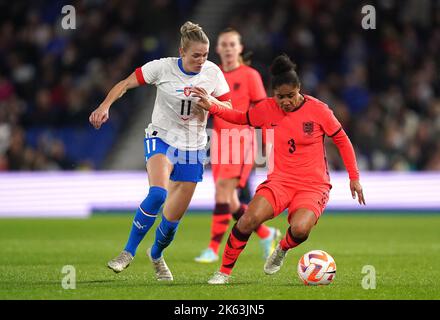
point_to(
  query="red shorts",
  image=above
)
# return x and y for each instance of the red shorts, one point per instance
(237, 162)
(231, 171)
(284, 196)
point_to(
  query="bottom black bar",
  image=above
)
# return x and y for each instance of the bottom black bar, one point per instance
(225, 309)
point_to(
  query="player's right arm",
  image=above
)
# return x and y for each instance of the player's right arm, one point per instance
(149, 73)
(101, 114)
(253, 117)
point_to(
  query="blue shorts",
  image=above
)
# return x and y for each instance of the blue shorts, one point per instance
(188, 165)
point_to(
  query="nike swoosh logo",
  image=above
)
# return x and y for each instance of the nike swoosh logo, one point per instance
(138, 225)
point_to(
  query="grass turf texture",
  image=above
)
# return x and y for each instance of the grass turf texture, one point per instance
(404, 249)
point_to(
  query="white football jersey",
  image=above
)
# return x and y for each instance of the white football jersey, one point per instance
(174, 118)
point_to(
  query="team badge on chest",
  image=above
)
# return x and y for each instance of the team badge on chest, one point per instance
(308, 128)
(186, 91)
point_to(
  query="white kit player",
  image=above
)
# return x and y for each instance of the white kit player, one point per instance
(175, 140)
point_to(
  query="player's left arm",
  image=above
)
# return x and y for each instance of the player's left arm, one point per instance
(333, 128)
(346, 150)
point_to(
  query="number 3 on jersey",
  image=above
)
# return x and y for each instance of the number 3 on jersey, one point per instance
(292, 145)
(185, 110)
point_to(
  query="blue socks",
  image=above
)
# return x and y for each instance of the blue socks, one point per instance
(164, 235)
(143, 220)
(145, 216)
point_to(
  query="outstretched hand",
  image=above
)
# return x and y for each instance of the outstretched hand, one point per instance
(204, 97)
(99, 116)
(356, 188)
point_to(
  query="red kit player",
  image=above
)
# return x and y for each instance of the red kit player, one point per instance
(299, 181)
(232, 162)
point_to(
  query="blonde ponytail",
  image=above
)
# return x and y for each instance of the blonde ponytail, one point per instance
(191, 32)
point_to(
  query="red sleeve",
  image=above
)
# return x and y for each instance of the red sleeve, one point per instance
(328, 121)
(230, 115)
(224, 97)
(139, 76)
(256, 116)
(256, 87)
(259, 114)
(346, 150)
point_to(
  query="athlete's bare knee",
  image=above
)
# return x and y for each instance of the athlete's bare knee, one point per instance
(221, 184)
(300, 231)
(222, 192)
(221, 197)
(247, 223)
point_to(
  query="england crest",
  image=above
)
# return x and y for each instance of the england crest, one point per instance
(308, 128)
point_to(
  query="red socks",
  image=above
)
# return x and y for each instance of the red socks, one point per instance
(289, 241)
(220, 224)
(262, 231)
(235, 245)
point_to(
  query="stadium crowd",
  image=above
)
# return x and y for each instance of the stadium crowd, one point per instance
(383, 84)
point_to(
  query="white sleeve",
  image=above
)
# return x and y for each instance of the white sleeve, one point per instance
(152, 71)
(221, 86)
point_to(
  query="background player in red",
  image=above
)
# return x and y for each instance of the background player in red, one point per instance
(246, 89)
(300, 180)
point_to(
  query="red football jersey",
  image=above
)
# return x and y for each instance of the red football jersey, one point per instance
(246, 87)
(298, 153)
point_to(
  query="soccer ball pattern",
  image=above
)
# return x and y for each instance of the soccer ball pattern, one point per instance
(316, 267)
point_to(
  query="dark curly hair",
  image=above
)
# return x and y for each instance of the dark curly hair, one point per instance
(283, 72)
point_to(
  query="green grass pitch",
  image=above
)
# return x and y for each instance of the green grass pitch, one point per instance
(403, 248)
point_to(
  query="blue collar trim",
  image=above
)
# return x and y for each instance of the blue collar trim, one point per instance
(180, 64)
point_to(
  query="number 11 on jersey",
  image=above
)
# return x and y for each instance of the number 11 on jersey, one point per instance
(188, 108)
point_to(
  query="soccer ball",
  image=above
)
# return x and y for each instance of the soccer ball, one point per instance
(316, 267)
